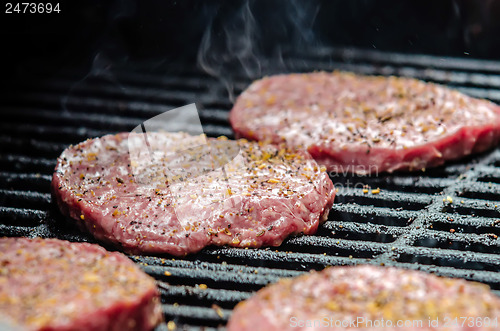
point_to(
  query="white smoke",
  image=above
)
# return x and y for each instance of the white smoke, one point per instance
(238, 43)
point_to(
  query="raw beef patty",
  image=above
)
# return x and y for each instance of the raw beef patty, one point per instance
(171, 196)
(366, 124)
(57, 285)
(369, 298)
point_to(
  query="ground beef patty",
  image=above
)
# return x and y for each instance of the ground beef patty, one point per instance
(366, 124)
(172, 199)
(57, 285)
(369, 298)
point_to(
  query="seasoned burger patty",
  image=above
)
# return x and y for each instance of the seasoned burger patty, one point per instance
(57, 285)
(368, 298)
(366, 124)
(172, 199)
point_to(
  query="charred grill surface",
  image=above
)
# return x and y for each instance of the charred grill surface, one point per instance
(445, 220)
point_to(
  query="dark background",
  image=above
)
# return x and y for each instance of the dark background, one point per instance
(161, 33)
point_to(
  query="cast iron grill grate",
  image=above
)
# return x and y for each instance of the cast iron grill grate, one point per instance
(444, 220)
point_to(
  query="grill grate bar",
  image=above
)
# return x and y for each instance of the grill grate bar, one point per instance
(50, 134)
(213, 266)
(488, 277)
(22, 163)
(68, 116)
(70, 80)
(37, 147)
(90, 104)
(288, 259)
(386, 195)
(465, 220)
(436, 253)
(361, 211)
(90, 125)
(493, 95)
(478, 187)
(418, 184)
(16, 231)
(458, 234)
(386, 199)
(360, 231)
(310, 242)
(212, 278)
(458, 241)
(111, 90)
(206, 316)
(25, 199)
(21, 215)
(25, 181)
(75, 120)
(227, 298)
(394, 59)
